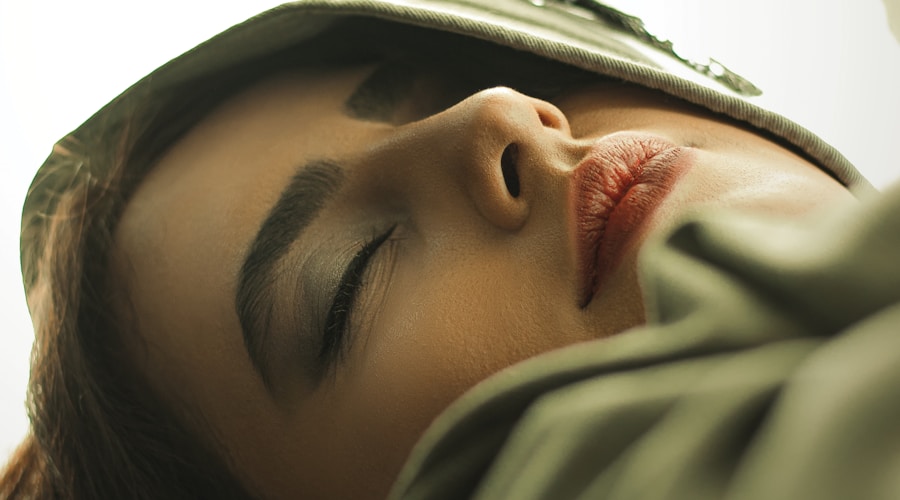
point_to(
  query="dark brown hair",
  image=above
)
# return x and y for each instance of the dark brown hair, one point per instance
(97, 428)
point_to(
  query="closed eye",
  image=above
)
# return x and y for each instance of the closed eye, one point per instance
(337, 320)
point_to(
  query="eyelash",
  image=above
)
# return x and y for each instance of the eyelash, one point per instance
(337, 320)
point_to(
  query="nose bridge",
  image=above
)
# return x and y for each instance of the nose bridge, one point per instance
(469, 156)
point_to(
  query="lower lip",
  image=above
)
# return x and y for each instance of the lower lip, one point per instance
(618, 185)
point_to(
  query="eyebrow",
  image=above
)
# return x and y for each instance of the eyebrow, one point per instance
(378, 96)
(313, 184)
(311, 187)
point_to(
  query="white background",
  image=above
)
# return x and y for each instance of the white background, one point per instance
(832, 65)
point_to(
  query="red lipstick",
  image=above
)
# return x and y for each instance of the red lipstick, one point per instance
(619, 183)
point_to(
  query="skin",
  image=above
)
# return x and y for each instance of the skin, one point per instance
(472, 281)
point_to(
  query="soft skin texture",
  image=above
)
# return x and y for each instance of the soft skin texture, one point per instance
(472, 281)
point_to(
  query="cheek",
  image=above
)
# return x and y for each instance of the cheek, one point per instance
(444, 332)
(766, 179)
(444, 328)
(428, 345)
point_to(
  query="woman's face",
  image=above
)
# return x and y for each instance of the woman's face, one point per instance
(329, 259)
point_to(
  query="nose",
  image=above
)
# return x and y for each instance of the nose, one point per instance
(498, 149)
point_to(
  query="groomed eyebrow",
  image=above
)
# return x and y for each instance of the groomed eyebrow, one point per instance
(311, 187)
(377, 97)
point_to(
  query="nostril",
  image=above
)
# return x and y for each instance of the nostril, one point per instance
(549, 120)
(551, 116)
(508, 165)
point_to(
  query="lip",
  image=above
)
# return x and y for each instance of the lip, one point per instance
(616, 187)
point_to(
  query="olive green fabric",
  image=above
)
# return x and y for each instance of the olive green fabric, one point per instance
(770, 369)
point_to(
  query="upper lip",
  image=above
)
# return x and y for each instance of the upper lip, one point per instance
(613, 166)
